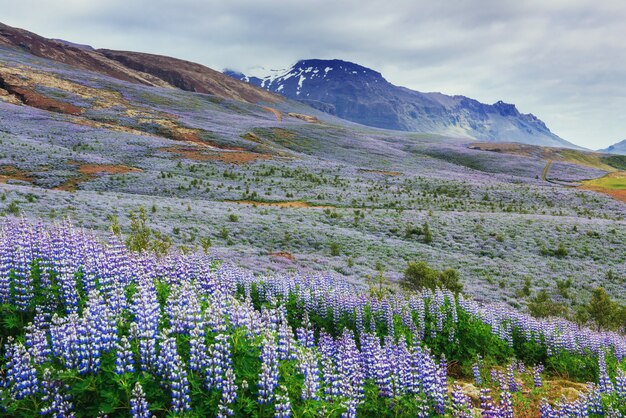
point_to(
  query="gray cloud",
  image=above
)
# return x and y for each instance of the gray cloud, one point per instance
(563, 60)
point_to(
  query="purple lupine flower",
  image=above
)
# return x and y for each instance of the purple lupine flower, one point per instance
(55, 402)
(304, 334)
(605, 385)
(537, 370)
(173, 373)
(146, 313)
(594, 399)
(461, 403)
(36, 336)
(506, 405)
(138, 404)
(219, 361)
(268, 379)
(198, 358)
(229, 395)
(20, 373)
(510, 379)
(350, 373)
(286, 340)
(124, 362)
(330, 375)
(478, 380)
(282, 406)
(489, 410)
(308, 366)
(620, 385)
(546, 410)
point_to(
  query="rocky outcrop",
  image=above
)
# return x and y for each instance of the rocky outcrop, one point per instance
(30, 97)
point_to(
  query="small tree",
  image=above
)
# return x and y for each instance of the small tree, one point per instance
(602, 310)
(451, 280)
(428, 235)
(139, 238)
(420, 275)
(542, 306)
(206, 244)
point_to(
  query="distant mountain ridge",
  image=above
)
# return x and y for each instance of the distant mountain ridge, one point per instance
(617, 148)
(360, 94)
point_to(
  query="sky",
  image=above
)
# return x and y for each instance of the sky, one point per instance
(562, 60)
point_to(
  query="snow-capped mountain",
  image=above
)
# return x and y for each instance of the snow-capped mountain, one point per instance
(359, 94)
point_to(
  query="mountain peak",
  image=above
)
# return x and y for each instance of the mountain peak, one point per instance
(360, 94)
(336, 65)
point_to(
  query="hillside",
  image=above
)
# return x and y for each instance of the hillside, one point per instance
(147, 69)
(304, 192)
(362, 95)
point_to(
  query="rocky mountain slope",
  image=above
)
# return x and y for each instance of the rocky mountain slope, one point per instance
(362, 95)
(148, 69)
(618, 148)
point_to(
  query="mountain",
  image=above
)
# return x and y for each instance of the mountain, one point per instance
(618, 148)
(135, 67)
(359, 94)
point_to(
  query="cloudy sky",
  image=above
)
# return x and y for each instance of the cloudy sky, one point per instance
(562, 60)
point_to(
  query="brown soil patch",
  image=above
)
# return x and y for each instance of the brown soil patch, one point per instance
(31, 98)
(90, 171)
(286, 255)
(616, 194)
(306, 118)
(71, 185)
(383, 172)
(278, 114)
(8, 172)
(106, 169)
(285, 204)
(232, 157)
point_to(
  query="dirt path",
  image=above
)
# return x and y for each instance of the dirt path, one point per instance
(544, 174)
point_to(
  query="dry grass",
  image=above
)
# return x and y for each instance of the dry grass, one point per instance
(90, 171)
(278, 114)
(306, 118)
(227, 156)
(283, 254)
(106, 169)
(613, 184)
(9, 172)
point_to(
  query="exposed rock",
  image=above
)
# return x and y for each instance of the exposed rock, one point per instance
(32, 98)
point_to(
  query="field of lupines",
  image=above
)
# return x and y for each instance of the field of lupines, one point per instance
(370, 197)
(90, 329)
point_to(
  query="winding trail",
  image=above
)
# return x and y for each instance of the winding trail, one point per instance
(544, 174)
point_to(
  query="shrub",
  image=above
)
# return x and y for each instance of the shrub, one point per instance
(420, 275)
(13, 208)
(542, 306)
